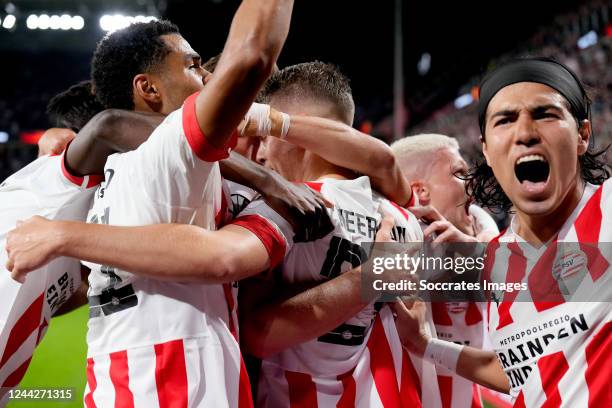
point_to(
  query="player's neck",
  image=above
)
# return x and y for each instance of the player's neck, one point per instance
(316, 168)
(540, 229)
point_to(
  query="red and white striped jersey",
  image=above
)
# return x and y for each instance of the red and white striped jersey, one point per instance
(161, 343)
(556, 351)
(44, 188)
(353, 365)
(461, 323)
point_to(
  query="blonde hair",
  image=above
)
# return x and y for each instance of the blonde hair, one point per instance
(414, 153)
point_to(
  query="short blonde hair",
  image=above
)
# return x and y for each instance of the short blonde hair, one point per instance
(423, 143)
(414, 153)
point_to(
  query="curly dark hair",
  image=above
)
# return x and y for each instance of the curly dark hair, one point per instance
(312, 79)
(74, 107)
(125, 53)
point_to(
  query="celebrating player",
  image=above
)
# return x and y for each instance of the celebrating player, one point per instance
(549, 350)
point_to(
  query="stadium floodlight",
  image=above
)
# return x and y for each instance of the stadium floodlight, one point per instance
(118, 21)
(54, 22)
(32, 22)
(77, 23)
(463, 101)
(9, 21)
(65, 22)
(43, 21)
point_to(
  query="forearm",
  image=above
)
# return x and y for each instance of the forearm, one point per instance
(346, 147)
(272, 327)
(106, 133)
(482, 367)
(171, 252)
(476, 365)
(241, 170)
(256, 36)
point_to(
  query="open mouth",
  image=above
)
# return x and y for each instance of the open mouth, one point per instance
(533, 168)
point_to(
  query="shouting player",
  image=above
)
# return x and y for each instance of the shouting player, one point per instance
(551, 346)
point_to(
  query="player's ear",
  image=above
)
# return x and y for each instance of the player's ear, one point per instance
(421, 189)
(145, 88)
(584, 133)
(484, 150)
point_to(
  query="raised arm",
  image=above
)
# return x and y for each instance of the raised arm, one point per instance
(257, 34)
(108, 132)
(172, 252)
(347, 147)
(341, 145)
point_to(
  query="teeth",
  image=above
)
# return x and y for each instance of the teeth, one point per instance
(531, 157)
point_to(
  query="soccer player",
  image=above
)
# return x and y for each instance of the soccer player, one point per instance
(321, 348)
(197, 260)
(436, 169)
(48, 187)
(551, 348)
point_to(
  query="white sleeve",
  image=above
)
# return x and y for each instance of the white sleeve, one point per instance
(483, 222)
(177, 161)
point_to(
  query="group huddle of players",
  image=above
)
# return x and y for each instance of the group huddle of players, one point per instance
(209, 217)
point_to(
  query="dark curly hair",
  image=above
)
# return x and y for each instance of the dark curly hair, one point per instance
(312, 79)
(125, 53)
(74, 107)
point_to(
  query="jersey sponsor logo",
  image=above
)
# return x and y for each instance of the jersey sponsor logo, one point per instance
(535, 347)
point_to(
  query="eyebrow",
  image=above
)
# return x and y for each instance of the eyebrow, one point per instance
(192, 56)
(536, 109)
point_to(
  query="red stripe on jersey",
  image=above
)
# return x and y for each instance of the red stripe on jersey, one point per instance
(91, 383)
(476, 399)
(381, 365)
(171, 374)
(445, 384)
(473, 315)
(302, 391)
(552, 369)
(245, 398)
(347, 399)
(16, 376)
(520, 401)
(517, 265)
(410, 388)
(23, 328)
(269, 236)
(196, 138)
(92, 180)
(316, 186)
(588, 223)
(588, 226)
(120, 377)
(544, 288)
(440, 314)
(599, 367)
(401, 210)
